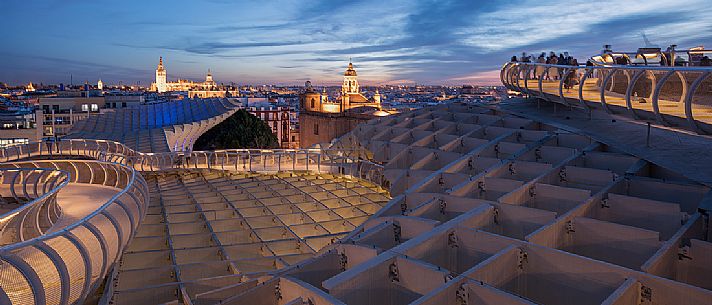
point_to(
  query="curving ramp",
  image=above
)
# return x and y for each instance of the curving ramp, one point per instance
(69, 230)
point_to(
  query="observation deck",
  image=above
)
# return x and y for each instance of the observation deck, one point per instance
(679, 96)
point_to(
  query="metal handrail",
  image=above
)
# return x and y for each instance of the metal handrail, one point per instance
(627, 67)
(129, 186)
(511, 72)
(129, 202)
(48, 197)
(328, 160)
(23, 150)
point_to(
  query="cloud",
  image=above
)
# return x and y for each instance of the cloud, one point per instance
(424, 41)
(485, 77)
(217, 47)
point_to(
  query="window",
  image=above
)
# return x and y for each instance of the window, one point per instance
(85, 107)
(94, 107)
(312, 103)
(13, 141)
(316, 128)
(123, 104)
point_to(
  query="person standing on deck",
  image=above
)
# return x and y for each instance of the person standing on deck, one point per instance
(553, 72)
(540, 69)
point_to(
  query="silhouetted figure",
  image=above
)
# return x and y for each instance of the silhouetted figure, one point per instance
(514, 59)
(572, 78)
(540, 70)
(553, 72)
(706, 62)
(561, 61)
(589, 63)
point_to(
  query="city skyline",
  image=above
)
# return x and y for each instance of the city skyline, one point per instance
(286, 42)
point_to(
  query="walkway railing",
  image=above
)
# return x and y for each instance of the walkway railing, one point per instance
(679, 96)
(253, 160)
(30, 195)
(263, 161)
(66, 264)
(66, 147)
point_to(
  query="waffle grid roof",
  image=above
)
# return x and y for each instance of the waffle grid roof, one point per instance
(491, 208)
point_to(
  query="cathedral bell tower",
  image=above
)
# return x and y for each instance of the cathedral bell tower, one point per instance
(161, 77)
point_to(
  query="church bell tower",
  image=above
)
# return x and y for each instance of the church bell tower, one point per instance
(161, 77)
(350, 86)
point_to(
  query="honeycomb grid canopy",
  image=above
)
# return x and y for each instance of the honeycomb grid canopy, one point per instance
(452, 204)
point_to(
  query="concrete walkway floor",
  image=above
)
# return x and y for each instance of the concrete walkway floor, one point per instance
(78, 200)
(682, 151)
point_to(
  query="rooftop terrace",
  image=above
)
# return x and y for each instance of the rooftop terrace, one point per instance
(453, 204)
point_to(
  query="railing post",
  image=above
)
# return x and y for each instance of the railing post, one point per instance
(603, 90)
(688, 102)
(629, 93)
(582, 81)
(86, 258)
(61, 269)
(656, 95)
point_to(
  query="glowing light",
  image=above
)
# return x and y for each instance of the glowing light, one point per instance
(331, 108)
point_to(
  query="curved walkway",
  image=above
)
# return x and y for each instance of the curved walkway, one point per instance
(100, 211)
(78, 200)
(677, 96)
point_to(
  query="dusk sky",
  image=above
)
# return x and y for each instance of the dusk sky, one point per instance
(288, 42)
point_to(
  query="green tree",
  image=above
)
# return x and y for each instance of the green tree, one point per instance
(240, 130)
